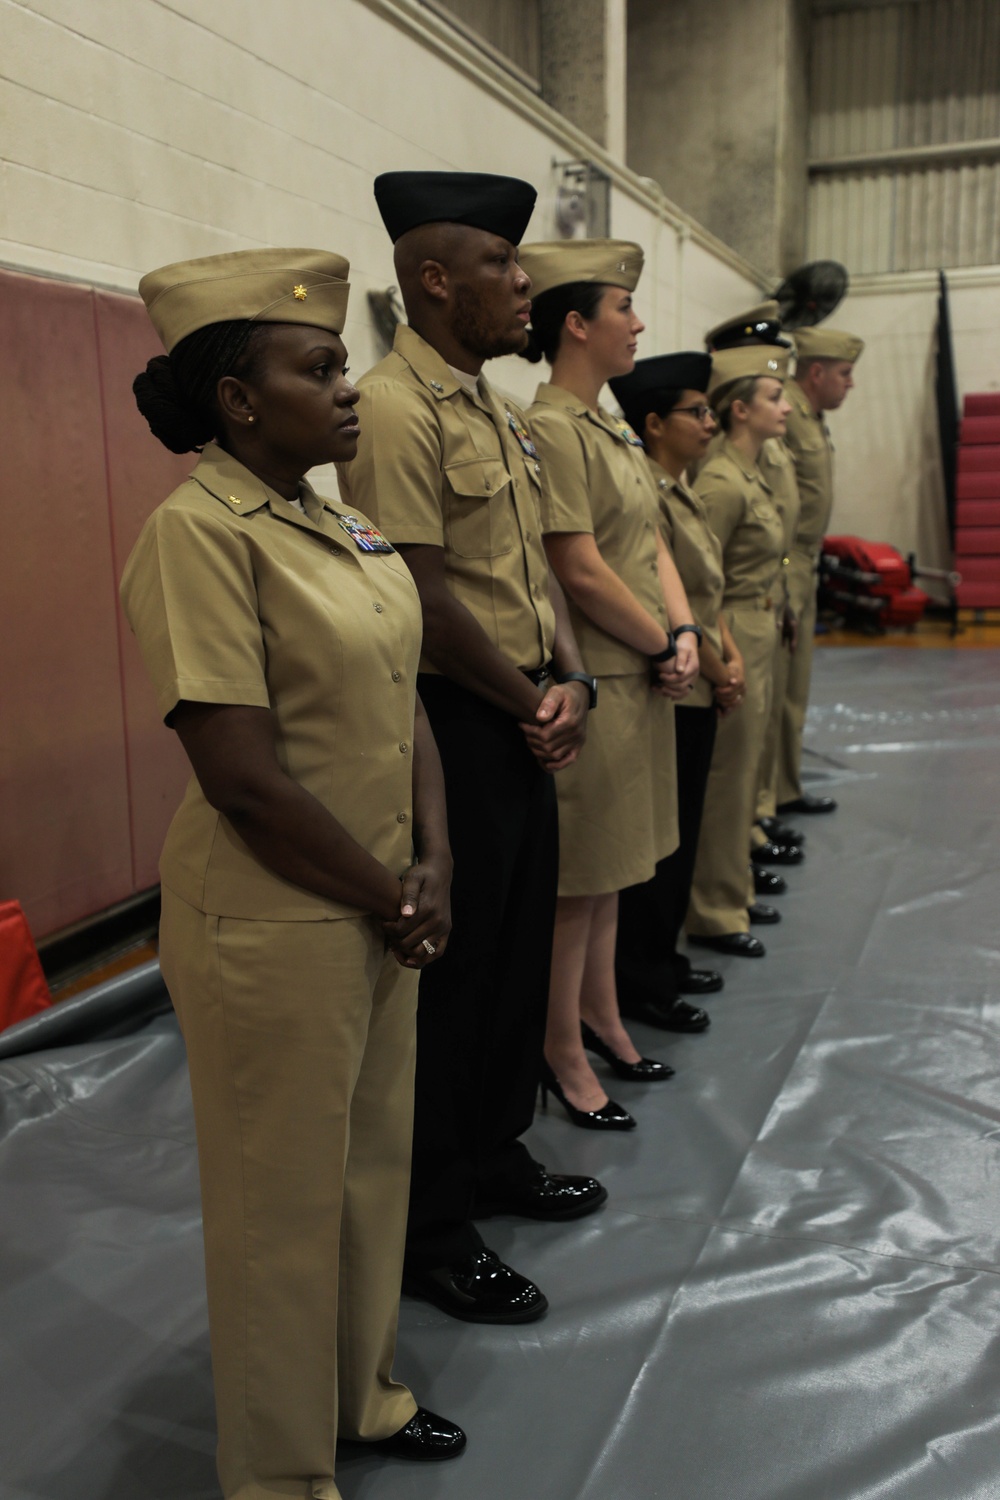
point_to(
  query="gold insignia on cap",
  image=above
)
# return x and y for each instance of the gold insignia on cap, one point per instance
(300, 294)
(621, 265)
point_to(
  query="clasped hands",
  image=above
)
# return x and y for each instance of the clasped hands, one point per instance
(675, 678)
(556, 736)
(424, 913)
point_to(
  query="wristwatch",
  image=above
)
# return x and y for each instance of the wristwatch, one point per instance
(589, 682)
(669, 651)
(691, 629)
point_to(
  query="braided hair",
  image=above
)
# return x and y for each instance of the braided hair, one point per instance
(176, 392)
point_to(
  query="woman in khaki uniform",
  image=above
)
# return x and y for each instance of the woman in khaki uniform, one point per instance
(664, 400)
(748, 397)
(618, 804)
(282, 636)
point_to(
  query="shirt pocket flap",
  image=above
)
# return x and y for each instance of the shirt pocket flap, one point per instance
(477, 478)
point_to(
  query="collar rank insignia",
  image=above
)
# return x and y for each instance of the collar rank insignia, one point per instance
(364, 535)
(628, 433)
(521, 433)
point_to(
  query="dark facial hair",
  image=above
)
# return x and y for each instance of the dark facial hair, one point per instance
(472, 328)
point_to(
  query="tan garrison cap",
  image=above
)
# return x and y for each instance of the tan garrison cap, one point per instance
(827, 343)
(740, 364)
(744, 325)
(558, 262)
(264, 286)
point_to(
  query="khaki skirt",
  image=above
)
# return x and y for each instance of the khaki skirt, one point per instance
(618, 802)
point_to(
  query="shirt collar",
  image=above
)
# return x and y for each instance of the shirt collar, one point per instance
(747, 469)
(242, 492)
(797, 396)
(557, 395)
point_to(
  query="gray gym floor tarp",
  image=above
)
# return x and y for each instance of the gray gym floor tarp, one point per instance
(794, 1290)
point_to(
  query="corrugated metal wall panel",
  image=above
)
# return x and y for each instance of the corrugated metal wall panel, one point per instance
(905, 76)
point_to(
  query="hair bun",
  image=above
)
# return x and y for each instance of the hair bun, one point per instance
(532, 351)
(173, 419)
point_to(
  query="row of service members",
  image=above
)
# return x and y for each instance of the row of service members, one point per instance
(455, 470)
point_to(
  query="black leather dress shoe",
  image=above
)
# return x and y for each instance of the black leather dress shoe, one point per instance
(740, 944)
(766, 883)
(781, 833)
(777, 854)
(426, 1437)
(763, 916)
(807, 803)
(670, 1015)
(544, 1197)
(480, 1289)
(700, 982)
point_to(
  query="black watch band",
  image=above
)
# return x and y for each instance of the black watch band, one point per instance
(691, 629)
(588, 681)
(669, 651)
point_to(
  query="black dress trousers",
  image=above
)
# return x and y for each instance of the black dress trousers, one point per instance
(650, 916)
(482, 1007)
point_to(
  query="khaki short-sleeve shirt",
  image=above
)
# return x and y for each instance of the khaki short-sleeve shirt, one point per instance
(742, 513)
(440, 466)
(697, 552)
(778, 468)
(599, 482)
(236, 597)
(808, 440)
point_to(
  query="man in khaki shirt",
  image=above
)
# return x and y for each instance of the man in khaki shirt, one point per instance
(446, 468)
(824, 374)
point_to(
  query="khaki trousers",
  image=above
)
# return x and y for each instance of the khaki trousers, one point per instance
(767, 788)
(801, 580)
(723, 886)
(300, 1042)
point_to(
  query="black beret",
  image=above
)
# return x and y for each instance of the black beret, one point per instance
(638, 393)
(500, 205)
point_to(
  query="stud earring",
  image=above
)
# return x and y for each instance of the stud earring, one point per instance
(251, 419)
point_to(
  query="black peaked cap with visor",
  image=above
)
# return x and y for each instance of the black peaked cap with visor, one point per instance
(639, 392)
(499, 205)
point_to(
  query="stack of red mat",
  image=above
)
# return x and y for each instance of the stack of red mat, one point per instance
(977, 520)
(869, 581)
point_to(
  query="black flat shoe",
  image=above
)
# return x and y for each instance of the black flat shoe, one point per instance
(763, 916)
(545, 1197)
(808, 804)
(700, 982)
(426, 1437)
(478, 1290)
(777, 854)
(669, 1015)
(610, 1116)
(766, 883)
(740, 944)
(646, 1070)
(781, 833)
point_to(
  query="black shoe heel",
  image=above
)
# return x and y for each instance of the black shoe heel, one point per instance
(646, 1070)
(610, 1116)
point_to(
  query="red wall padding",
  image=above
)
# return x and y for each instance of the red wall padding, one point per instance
(88, 776)
(976, 541)
(978, 595)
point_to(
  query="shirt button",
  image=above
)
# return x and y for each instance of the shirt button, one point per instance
(486, 484)
(334, 551)
(377, 608)
(537, 469)
(397, 676)
(403, 747)
(400, 817)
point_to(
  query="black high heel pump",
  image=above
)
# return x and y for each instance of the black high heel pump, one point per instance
(646, 1070)
(610, 1116)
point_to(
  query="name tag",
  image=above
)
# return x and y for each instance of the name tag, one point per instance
(363, 535)
(523, 436)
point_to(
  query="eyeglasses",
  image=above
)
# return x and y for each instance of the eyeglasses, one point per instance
(698, 412)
